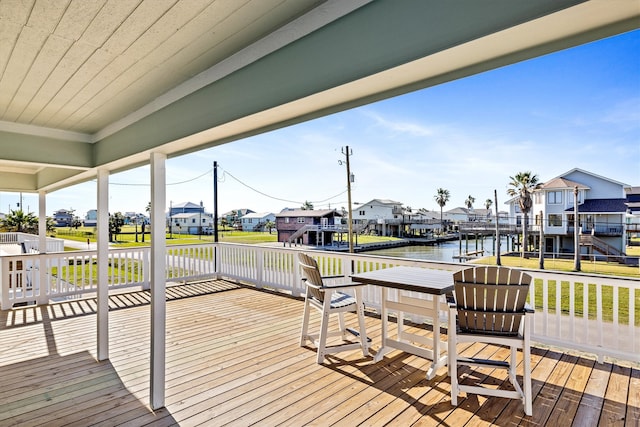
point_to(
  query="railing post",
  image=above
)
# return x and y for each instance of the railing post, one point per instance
(4, 283)
(296, 276)
(43, 283)
(146, 269)
(259, 267)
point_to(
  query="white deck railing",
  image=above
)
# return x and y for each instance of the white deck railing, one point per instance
(31, 242)
(592, 313)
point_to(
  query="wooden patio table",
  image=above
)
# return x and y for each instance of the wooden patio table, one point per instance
(434, 282)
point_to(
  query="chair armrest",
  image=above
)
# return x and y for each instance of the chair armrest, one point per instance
(338, 276)
(528, 308)
(341, 286)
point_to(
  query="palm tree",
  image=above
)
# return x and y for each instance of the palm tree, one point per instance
(116, 221)
(307, 206)
(522, 186)
(19, 221)
(442, 197)
(488, 203)
(470, 201)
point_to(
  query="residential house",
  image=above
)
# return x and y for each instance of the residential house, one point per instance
(309, 227)
(422, 222)
(191, 223)
(633, 212)
(185, 207)
(601, 213)
(63, 218)
(256, 221)
(234, 217)
(383, 217)
(91, 218)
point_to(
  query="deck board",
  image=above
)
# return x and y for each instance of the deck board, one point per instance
(233, 359)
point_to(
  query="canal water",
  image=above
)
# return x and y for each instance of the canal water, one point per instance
(441, 252)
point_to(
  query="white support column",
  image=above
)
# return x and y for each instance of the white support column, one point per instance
(43, 287)
(103, 264)
(42, 222)
(158, 278)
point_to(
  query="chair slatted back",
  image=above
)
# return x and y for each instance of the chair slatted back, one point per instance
(491, 300)
(311, 272)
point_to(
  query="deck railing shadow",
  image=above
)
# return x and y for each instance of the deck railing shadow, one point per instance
(70, 384)
(21, 316)
(33, 389)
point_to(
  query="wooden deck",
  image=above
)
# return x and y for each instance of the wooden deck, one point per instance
(233, 358)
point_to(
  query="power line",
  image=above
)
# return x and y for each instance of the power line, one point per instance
(224, 174)
(171, 183)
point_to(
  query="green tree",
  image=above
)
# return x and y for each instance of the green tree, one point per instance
(522, 185)
(307, 206)
(116, 221)
(470, 201)
(76, 223)
(19, 221)
(488, 203)
(270, 225)
(50, 225)
(442, 197)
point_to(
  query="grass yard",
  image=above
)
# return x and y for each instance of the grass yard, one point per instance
(592, 267)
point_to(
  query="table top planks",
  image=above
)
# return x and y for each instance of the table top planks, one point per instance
(435, 282)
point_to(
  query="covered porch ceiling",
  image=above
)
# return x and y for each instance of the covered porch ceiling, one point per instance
(88, 85)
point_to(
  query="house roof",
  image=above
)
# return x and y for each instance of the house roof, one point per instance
(189, 205)
(458, 210)
(378, 202)
(592, 174)
(601, 206)
(258, 215)
(316, 213)
(185, 215)
(563, 183)
(238, 212)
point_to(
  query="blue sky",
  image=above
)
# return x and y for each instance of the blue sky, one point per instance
(575, 108)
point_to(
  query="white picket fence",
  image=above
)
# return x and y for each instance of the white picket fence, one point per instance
(571, 308)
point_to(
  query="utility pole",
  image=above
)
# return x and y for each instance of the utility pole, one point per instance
(350, 178)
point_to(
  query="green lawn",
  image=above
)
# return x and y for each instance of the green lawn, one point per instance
(127, 237)
(592, 267)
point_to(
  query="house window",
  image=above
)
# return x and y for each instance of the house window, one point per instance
(286, 220)
(554, 197)
(193, 221)
(555, 220)
(538, 198)
(362, 213)
(301, 220)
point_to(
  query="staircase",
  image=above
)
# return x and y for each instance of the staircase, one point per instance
(301, 231)
(602, 247)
